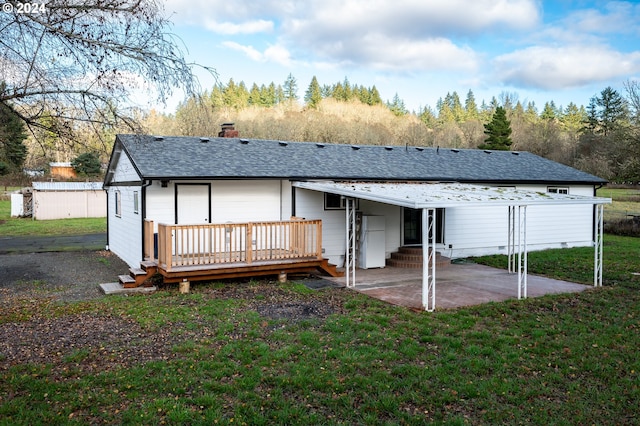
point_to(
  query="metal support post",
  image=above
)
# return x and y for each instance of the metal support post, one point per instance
(350, 246)
(429, 259)
(598, 234)
(511, 235)
(522, 252)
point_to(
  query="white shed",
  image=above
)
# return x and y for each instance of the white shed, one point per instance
(65, 200)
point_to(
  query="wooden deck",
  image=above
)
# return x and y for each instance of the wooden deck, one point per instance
(230, 250)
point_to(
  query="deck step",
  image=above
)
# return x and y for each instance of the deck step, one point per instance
(331, 269)
(150, 266)
(127, 281)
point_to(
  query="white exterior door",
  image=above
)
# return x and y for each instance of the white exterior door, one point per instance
(193, 204)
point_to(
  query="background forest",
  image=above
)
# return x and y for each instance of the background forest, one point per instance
(602, 138)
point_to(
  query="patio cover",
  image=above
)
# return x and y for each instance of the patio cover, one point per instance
(429, 196)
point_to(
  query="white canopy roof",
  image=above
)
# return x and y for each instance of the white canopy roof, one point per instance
(431, 195)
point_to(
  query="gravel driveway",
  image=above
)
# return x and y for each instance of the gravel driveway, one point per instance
(66, 276)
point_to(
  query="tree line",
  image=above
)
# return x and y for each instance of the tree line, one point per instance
(601, 139)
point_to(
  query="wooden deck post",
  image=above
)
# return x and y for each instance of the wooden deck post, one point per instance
(249, 242)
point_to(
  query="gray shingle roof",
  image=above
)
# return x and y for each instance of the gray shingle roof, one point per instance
(230, 158)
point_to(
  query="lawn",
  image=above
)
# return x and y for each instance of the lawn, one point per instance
(220, 356)
(625, 202)
(12, 226)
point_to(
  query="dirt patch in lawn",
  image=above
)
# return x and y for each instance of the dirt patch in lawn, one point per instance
(49, 315)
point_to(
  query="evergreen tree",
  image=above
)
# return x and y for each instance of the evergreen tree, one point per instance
(326, 90)
(445, 114)
(456, 108)
(531, 113)
(573, 117)
(375, 96)
(313, 95)
(549, 111)
(279, 95)
(498, 131)
(613, 110)
(338, 92)
(348, 92)
(470, 106)
(397, 106)
(290, 88)
(428, 117)
(87, 164)
(255, 97)
(12, 135)
(271, 96)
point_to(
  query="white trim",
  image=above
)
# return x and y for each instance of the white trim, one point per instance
(431, 195)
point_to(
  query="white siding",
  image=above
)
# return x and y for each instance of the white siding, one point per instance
(125, 231)
(310, 205)
(245, 201)
(161, 207)
(484, 230)
(231, 201)
(124, 171)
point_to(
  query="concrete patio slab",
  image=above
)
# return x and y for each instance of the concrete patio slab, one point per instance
(457, 285)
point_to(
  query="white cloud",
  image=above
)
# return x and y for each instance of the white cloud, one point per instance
(277, 54)
(249, 27)
(617, 17)
(554, 68)
(406, 35)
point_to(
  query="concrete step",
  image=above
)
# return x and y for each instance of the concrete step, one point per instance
(440, 263)
(411, 257)
(118, 288)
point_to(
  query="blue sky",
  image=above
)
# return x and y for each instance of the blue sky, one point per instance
(561, 50)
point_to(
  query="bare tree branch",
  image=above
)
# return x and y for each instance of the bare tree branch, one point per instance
(82, 61)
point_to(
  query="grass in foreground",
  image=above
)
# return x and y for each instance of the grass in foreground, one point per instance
(13, 227)
(216, 357)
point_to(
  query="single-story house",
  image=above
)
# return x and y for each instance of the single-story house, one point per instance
(193, 206)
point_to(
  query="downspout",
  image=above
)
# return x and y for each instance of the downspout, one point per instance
(143, 209)
(106, 190)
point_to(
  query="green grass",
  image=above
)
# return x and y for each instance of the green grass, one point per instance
(625, 201)
(562, 359)
(11, 226)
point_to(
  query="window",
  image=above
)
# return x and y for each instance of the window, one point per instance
(333, 201)
(118, 204)
(557, 190)
(337, 202)
(135, 202)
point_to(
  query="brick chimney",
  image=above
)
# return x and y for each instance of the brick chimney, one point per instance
(228, 131)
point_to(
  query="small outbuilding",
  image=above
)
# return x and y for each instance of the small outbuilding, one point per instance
(65, 200)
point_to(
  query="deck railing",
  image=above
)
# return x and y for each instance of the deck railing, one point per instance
(149, 245)
(233, 243)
